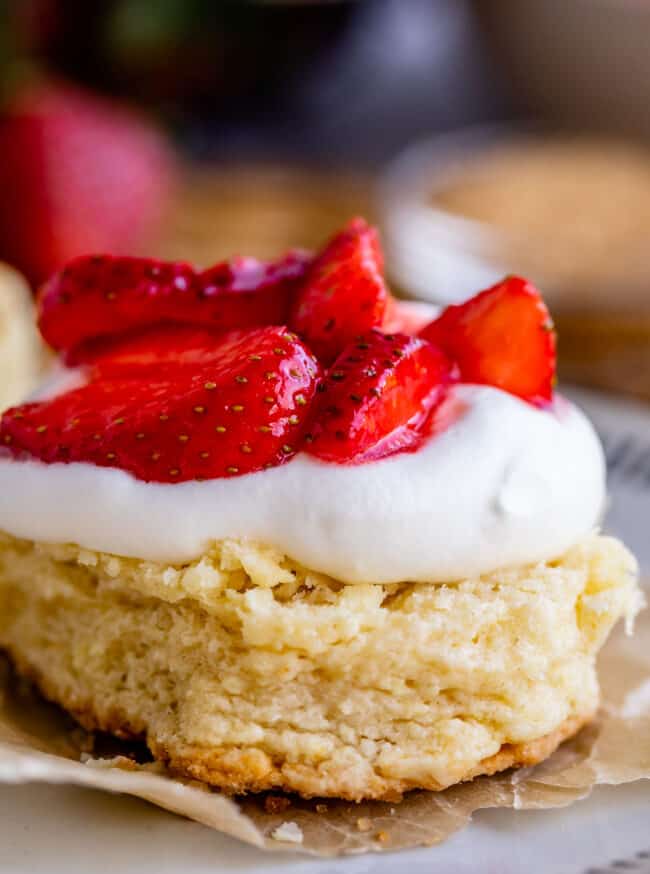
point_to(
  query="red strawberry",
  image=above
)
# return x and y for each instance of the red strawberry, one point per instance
(97, 296)
(378, 397)
(157, 350)
(77, 174)
(245, 292)
(241, 410)
(503, 337)
(102, 295)
(344, 294)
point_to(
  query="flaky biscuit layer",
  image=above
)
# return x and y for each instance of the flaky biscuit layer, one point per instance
(249, 672)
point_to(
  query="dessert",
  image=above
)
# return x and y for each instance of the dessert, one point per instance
(20, 351)
(349, 557)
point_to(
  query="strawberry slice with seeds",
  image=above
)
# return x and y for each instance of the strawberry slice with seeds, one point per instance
(344, 294)
(245, 292)
(502, 337)
(240, 409)
(378, 397)
(103, 295)
(100, 296)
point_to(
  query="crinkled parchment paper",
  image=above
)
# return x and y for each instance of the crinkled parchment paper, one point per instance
(39, 743)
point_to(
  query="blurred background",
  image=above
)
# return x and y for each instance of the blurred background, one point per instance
(483, 136)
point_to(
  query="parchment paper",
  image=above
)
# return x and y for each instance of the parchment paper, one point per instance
(39, 743)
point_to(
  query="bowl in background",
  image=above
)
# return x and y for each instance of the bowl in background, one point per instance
(571, 213)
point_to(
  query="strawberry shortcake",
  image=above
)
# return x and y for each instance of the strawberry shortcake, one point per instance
(297, 535)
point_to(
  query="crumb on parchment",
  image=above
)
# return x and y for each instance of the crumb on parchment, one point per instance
(288, 832)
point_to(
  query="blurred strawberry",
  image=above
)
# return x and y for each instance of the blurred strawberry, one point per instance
(77, 173)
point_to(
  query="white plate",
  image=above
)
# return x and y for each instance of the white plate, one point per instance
(62, 830)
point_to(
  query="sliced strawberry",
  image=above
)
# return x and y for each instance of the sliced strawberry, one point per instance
(157, 350)
(242, 410)
(96, 297)
(102, 295)
(245, 292)
(344, 294)
(502, 337)
(377, 398)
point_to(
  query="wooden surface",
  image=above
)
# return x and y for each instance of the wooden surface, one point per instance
(259, 210)
(609, 351)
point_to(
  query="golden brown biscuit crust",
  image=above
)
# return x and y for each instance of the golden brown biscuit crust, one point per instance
(240, 771)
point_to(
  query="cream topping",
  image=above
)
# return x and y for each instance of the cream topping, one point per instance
(504, 484)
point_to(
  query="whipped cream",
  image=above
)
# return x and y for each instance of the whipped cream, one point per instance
(504, 484)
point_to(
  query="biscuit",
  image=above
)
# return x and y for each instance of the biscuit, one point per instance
(250, 672)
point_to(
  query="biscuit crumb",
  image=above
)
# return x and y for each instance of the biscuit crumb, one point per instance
(122, 762)
(321, 808)
(382, 837)
(289, 832)
(276, 803)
